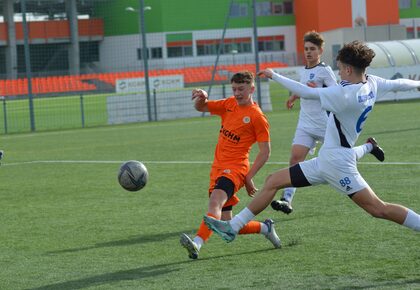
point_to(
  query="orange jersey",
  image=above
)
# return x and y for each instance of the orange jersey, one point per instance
(241, 127)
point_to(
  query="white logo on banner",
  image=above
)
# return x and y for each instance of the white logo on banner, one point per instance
(134, 85)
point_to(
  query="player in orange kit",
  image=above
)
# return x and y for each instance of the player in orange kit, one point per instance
(243, 124)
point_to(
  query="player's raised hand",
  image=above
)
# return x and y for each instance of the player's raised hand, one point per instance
(199, 95)
(268, 73)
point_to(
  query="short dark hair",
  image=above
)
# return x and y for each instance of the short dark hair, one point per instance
(314, 37)
(243, 77)
(357, 54)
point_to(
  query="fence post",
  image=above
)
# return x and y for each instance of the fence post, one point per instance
(154, 103)
(82, 110)
(28, 64)
(257, 60)
(4, 114)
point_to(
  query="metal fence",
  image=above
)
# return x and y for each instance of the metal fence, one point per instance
(65, 63)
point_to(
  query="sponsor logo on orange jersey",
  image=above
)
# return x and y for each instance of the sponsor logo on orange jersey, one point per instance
(230, 135)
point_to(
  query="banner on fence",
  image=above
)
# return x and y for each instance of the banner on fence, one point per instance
(135, 85)
(170, 105)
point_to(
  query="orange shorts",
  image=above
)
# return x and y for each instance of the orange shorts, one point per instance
(237, 176)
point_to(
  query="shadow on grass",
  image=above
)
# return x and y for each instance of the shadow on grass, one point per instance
(134, 274)
(394, 131)
(141, 239)
(400, 284)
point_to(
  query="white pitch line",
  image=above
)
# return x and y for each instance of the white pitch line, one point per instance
(172, 162)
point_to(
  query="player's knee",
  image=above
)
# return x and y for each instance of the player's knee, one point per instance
(215, 205)
(297, 157)
(268, 179)
(270, 182)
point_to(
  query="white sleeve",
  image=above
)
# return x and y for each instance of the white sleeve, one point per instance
(385, 86)
(297, 88)
(329, 77)
(333, 99)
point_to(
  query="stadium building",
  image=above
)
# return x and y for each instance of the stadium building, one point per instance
(186, 33)
(127, 54)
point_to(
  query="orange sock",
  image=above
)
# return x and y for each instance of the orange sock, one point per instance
(253, 227)
(203, 231)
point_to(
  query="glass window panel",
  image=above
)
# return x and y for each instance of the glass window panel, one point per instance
(263, 8)
(175, 51)
(188, 51)
(156, 52)
(404, 4)
(288, 7)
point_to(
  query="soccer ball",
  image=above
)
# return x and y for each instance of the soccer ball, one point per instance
(133, 175)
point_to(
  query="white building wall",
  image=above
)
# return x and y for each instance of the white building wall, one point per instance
(119, 53)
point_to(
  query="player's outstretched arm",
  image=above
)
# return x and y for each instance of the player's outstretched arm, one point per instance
(385, 85)
(297, 88)
(200, 99)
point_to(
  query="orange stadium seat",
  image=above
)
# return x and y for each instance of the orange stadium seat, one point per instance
(63, 84)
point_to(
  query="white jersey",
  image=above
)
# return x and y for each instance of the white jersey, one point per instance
(313, 118)
(348, 103)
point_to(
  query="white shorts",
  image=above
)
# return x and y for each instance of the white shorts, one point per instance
(309, 140)
(338, 167)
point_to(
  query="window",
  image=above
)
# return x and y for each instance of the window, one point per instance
(277, 8)
(418, 32)
(418, 3)
(287, 7)
(263, 8)
(239, 10)
(207, 47)
(156, 52)
(267, 8)
(404, 4)
(179, 48)
(140, 53)
(230, 45)
(271, 43)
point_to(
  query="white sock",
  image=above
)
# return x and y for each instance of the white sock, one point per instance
(288, 193)
(198, 241)
(362, 150)
(412, 221)
(264, 229)
(241, 219)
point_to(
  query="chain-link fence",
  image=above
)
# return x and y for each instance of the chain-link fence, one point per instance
(79, 63)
